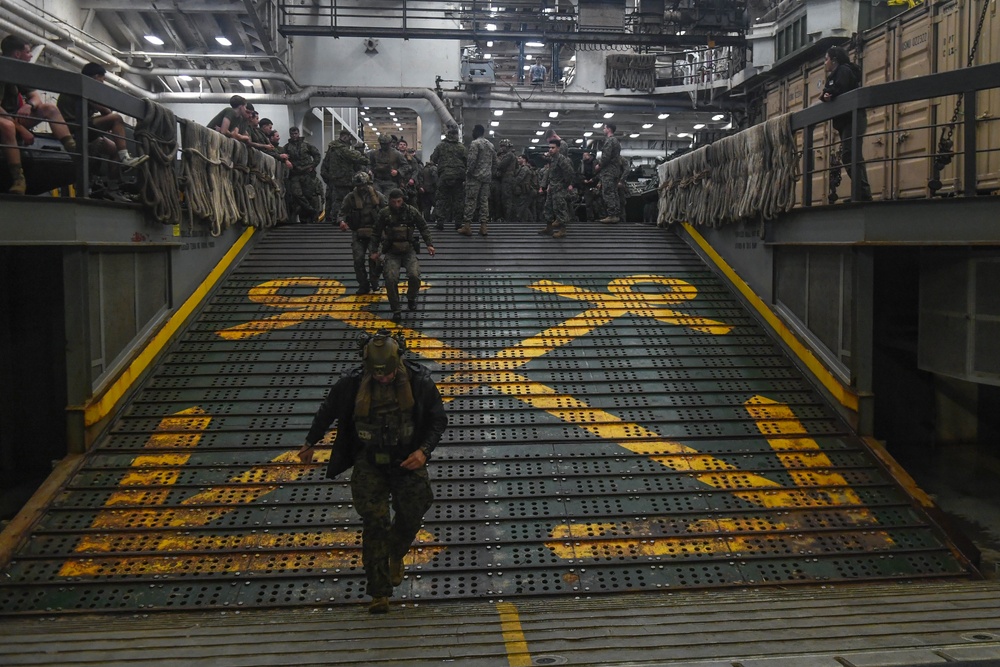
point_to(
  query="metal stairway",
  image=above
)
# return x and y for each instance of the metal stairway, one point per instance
(618, 422)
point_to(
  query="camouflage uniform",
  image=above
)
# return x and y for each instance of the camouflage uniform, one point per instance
(450, 158)
(305, 191)
(506, 169)
(427, 191)
(610, 172)
(340, 164)
(560, 176)
(375, 487)
(358, 211)
(409, 170)
(397, 231)
(479, 168)
(525, 193)
(383, 162)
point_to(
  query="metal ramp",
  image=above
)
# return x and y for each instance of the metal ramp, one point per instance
(618, 422)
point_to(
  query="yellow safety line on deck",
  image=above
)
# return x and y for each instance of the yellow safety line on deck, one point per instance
(843, 395)
(101, 406)
(513, 636)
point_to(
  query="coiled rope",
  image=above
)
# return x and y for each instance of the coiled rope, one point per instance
(632, 71)
(751, 174)
(156, 134)
(206, 166)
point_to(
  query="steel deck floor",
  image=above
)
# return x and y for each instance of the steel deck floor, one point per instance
(618, 422)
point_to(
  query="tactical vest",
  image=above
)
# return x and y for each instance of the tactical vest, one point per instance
(400, 234)
(387, 431)
(385, 162)
(361, 213)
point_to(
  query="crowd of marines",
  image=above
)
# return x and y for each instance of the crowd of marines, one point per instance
(387, 196)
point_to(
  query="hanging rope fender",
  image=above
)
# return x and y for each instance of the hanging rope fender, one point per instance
(748, 175)
(156, 134)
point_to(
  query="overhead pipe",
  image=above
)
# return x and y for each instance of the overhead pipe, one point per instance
(41, 23)
(563, 100)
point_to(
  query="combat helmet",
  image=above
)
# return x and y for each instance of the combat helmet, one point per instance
(506, 143)
(384, 139)
(361, 178)
(382, 353)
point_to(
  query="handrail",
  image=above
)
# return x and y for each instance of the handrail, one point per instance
(965, 80)
(55, 80)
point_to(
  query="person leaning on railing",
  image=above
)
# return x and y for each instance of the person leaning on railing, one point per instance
(26, 104)
(109, 135)
(842, 76)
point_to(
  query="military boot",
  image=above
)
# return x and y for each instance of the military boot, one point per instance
(547, 231)
(379, 605)
(559, 233)
(483, 231)
(465, 230)
(396, 571)
(18, 186)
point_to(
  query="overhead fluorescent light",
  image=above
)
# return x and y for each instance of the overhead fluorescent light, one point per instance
(392, 113)
(535, 140)
(579, 141)
(494, 123)
(634, 135)
(609, 114)
(185, 77)
(487, 56)
(718, 116)
(588, 134)
(247, 83)
(223, 41)
(528, 57)
(153, 39)
(598, 126)
(489, 45)
(553, 114)
(498, 112)
(646, 126)
(699, 126)
(545, 123)
(539, 132)
(534, 45)
(491, 26)
(663, 116)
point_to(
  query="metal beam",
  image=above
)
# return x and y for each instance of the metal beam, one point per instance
(588, 37)
(183, 6)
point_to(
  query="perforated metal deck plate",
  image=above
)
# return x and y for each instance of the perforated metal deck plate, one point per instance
(618, 422)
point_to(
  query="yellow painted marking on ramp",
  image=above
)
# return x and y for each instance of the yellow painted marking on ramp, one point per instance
(774, 420)
(513, 636)
(183, 431)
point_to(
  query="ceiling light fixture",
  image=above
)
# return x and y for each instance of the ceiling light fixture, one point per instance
(535, 140)
(663, 116)
(718, 116)
(699, 126)
(588, 134)
(223, 41)
(646, 126)
(539, 132)
(535, 45)
(491, 26)
(598, 126)
(153, 39)
(634, 135)
(494, 123)
(545, 123)
(247, 83)
(185, 77)
(553, 114)
(498, 112)
(610, 114)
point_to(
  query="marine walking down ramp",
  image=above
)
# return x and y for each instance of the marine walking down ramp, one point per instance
(618, 423)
